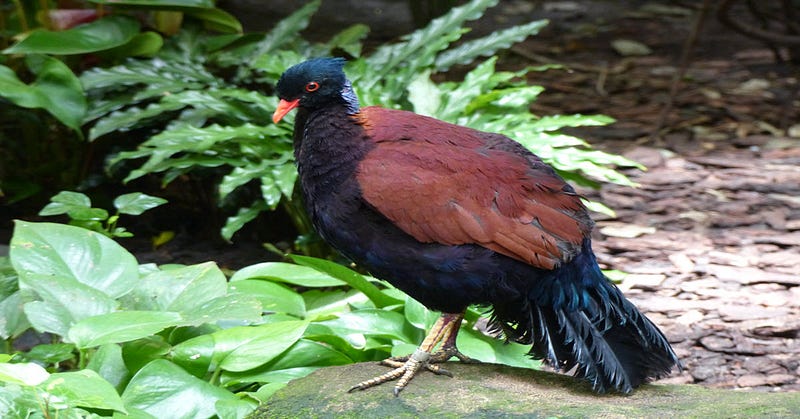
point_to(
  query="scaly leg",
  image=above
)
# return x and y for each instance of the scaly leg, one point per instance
(443, 331)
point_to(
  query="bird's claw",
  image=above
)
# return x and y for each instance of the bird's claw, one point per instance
(405, 371)
(406, 367)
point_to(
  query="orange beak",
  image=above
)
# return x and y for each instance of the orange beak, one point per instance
(284, 107)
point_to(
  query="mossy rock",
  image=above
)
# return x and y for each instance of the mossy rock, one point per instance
(498, 391)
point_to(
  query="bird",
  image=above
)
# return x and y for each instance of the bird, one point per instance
(454, 217)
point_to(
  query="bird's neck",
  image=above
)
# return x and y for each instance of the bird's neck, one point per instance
(328, 144)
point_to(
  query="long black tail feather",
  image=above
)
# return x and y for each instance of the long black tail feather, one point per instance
(598, 333)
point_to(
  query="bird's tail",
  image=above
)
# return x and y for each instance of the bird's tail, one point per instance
(576, 318)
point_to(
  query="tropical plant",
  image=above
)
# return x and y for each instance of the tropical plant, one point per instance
(78, 207)
(185, 341)
(42, 102)
(208, 102)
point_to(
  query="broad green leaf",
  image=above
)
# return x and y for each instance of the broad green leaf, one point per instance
(12, 318)
(194, 355)
(308, 353)
(288, 273)
(48, 317)
(64, 201)
(121, 326)
(65, 302)
(72, 252)
(108, 32)
(83, 388)
(418, 315)
(274, 297)
(487, 349)
(164, 390)
(244, 348)
(136, 203)
(51, 353)
(19, 402)
(323, 303)
(88, 214)
(351, 277)
(232, 307)
(374, 322)
(217, 20)
(141, 352)
(131, 118)
(56, 90)
(178, 290)
(27, 374)
(235, 409)
(107, 362)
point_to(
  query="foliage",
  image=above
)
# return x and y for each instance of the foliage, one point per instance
(42, 102)
(78, 207)
(183, 341)
(206, 100)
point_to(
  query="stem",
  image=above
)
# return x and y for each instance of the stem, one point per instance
(23, 20)
(215, 376)
(8, 345)
(82, 358)
(44, 7)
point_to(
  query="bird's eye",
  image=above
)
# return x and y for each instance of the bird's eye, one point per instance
(312, 86)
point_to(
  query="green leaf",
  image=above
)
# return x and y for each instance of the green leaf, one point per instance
(56, 90)
(242, 217)
(418, 315)
(136, 203)
(235, 409)
(244, 348)
(422, 44)
(87, 214)
(178, 290)
(108, 32)
(121, 326)
(288, 273)
(194, 355)
(26, 374)
(234, 307)
(349, 40)
(285, 30)
(323, 303)
(424, 95)
(64, 201)
(351, 277)
(13, 321)
(373, 322)
(51, 353)
(66, 302)
(274, 297)
(164, 390)
(217, 20)
(487, 45)
(83, 388)
(141, 352)
(107, 362)
(72, 252)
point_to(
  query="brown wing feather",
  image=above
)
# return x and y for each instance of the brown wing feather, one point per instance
(443, 191)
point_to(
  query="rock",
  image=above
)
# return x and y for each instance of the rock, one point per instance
(628, 47)
(488, 390)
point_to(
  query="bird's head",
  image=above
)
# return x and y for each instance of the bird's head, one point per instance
(312, 85)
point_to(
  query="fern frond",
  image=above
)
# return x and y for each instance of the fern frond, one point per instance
(488, 45)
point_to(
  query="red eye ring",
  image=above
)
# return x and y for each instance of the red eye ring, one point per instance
(312, 86)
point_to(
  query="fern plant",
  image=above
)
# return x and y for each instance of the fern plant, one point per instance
(207, 101)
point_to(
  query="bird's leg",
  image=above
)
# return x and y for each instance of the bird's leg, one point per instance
(443, 331)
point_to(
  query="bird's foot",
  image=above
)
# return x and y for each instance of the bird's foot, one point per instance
(404, 370)
(442, 355)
